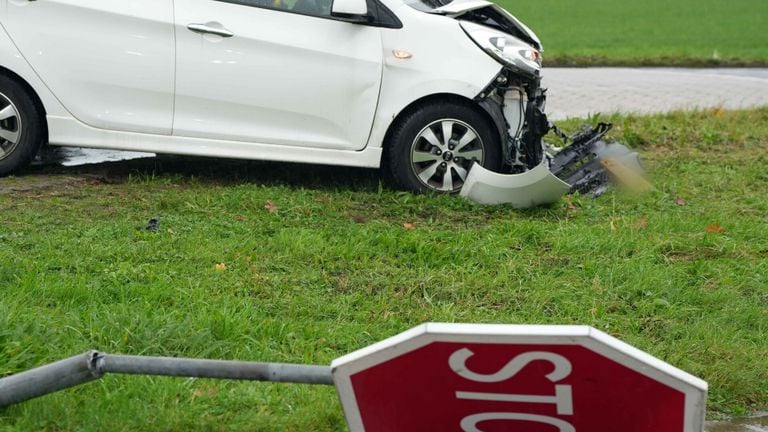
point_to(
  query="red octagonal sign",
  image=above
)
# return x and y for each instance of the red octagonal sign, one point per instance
(489, 378)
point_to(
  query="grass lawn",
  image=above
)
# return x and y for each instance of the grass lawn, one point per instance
(278, 262)
(651, 32)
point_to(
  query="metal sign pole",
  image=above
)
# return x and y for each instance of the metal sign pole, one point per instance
(92, 365)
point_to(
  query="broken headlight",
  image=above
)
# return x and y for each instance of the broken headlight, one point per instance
(505, 48)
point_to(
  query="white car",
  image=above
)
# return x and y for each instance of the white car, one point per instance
(422, 88)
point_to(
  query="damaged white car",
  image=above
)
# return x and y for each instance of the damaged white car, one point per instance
(429, 90)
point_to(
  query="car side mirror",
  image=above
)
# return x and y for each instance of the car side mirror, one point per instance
(353, 10)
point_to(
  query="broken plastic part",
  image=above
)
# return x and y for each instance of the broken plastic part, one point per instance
(153, 224)
(587, 173)
(529, 189)
(583, 165)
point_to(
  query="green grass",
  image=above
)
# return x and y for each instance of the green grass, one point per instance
(649, 32)
(334, 269)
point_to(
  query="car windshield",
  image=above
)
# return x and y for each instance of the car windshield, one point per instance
(427, 5)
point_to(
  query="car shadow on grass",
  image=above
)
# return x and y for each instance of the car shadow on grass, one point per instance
(216, 171)
(52, 177)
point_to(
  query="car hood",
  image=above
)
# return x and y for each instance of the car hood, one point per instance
(489, 14)
(459, 6)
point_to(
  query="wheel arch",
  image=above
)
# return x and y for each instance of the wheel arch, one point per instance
(36, 100)
(484, 109)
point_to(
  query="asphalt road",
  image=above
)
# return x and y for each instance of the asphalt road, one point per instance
(580, 92)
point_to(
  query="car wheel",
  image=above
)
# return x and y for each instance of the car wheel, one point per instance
(432, 148)
(22, 126)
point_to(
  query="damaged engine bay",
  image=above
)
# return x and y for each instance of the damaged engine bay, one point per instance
(536, 172)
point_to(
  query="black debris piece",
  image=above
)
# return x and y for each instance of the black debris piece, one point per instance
(153, 224)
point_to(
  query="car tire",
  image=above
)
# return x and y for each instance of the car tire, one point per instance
(432, 147)
(22, 126)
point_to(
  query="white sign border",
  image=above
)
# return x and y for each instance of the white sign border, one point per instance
(343, 368)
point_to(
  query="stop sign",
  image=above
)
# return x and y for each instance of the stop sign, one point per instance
(467, 377)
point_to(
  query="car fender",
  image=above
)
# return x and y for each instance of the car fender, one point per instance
(12, 60)
(430, 55)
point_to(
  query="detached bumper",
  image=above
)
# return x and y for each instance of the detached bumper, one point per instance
(529, 189)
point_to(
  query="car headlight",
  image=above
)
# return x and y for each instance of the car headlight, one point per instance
(505, 48)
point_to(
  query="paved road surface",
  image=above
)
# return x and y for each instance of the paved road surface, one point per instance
(757, 424)
(579, 92)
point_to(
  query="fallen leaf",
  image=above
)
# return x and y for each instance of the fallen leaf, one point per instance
(680, 201)
(570, 205)
(270, 206)
(716, 228)
(341, 283)
(641, 223)
(409, 226)
(358, 218)
(205, 392)
(221, 267)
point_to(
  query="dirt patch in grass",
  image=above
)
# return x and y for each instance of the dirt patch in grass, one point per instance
(41, 183)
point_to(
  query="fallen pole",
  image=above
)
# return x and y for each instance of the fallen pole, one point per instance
(438, 377)
(90, 366)
(50, 378)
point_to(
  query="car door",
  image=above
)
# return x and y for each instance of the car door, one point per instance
(276, 72)
(109, 62)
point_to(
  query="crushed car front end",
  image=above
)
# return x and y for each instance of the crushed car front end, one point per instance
(512, 96)
(533, 173)
(516, 101)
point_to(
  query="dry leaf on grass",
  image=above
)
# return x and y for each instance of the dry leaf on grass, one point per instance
(569, 204)
(221, 267)
(641, 223)
(205, 391)
(716, 228)
(358, 218)
(409, 226)
(680, 201)
(270, 206)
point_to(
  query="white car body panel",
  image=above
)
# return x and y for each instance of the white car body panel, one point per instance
(283, 78)
(70, 132)
(324, 106)
(11, 59)
(110, 63)
(458, 6)
(537, 186)
(464, 70)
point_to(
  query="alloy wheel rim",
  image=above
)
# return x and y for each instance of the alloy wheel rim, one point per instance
(10, 127)
(443, 152)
